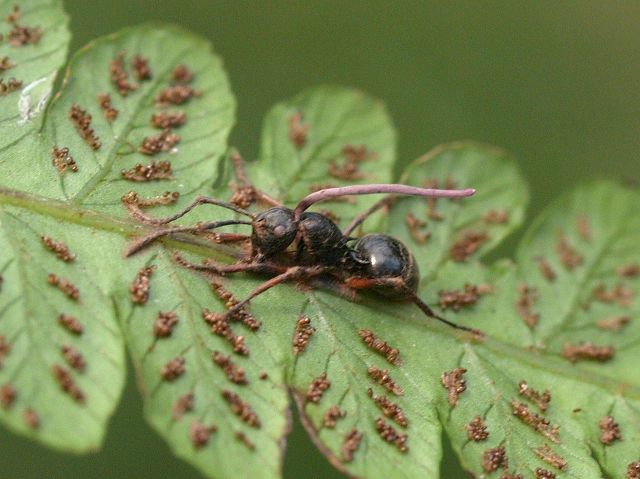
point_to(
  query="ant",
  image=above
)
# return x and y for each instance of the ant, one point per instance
(375, 262)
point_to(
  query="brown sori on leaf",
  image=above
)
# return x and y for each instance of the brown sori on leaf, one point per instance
(168, 119)
(317, 388)
(141, 68)
(199, 434)
(511, 475)
(67, 383)
(182, 74)
(544, 474)
(524, 306)
(432, 202)
(62, 160)
(390, 353)
(244, 439)
(110, 113)
(587, 351)
(14, 15)
(8, 396)
(173, 369)
(633, 470)
(350, 169)
(453, 382)
(71, 324)
(64, 285)
(164, 141)
(302, 334)
(390, 435)
(59, 248)
(74, 358)
(139, 288)
(414, 225)
(241, 409)
(550, 457)
(19, 36)
(569, 257)
(119, 75)
(220, 326)
(5, 349)
(610, 430)
(535, 421)
(176, 95)
(619, 294)
(166, 198)
(164, 324)
(298, 132)
(31, 418)
(382, 377)
(584, 228)
(496, 217)
(457, 299)
(234, 372)
(467, 245)
(183, 405)
(332, 415)
(389, 408)
(494, 458)
(546, 269)
(230, 300)
(9, 87)
(350, 445)
(477, 429)
(6, 64)
(82, 121)
(541, 400)
(631, 270)
(613, 323)
(154, 171)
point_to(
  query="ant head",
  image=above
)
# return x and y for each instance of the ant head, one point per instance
(382, 256)
(273, 230)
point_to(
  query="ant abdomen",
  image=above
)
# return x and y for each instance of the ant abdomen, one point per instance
(384, 257)
(273, 231)
(321, 241)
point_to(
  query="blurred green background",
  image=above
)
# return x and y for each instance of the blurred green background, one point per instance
(555, 82)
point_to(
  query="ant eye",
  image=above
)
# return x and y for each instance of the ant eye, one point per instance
(279, 230)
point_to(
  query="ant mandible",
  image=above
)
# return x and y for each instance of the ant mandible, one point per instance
(375, 262)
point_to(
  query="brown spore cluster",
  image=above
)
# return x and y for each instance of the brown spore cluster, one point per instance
(31, 418)
(633, 470)
(6, 64)
(82, 121)
(220, 326)
(567, 254)
(302, 334)
(390, 409)
(349, 170)
(332, 415)
(414, 224)
(173, 369)
(66, 382)
(389, 434)
(62, 160)
(164, 141)
(527, 299)
(351, 444)
(5, 349)
(20, 35)
(631, 270)
(234, 373)
(548, 455)
(496, 217)
(468, 296)
(230, 300)
(455, 384)
(477, 429)
(64, 285)
(317, 388)
(8, 395)
(10, 86)
(164, 324)
(176, 95)
(587, 351)
(71, 324)
(619, 294)
(182, 74)
(494, 458)
(241, 409)
(544, 474)
(541, 400)
(134, 199)
(382, 377)
(199, 434)
(74, 358)
(141, 285)
(613, 323)
(120, 76)
(546, 269)
(168, 119)
(183, 405)
(60, 249)
(391, 354)
(610, 430)
(535, 421)
(141, 68)
(109, 111)
(244, 439)
(471, 242)
(298, 131)
(154, 171)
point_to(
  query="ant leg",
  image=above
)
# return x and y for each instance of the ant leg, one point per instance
(151, 237)
(222, 269)
(358, 220)
(200, 200)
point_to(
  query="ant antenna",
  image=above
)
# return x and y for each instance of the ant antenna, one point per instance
(374, 188)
